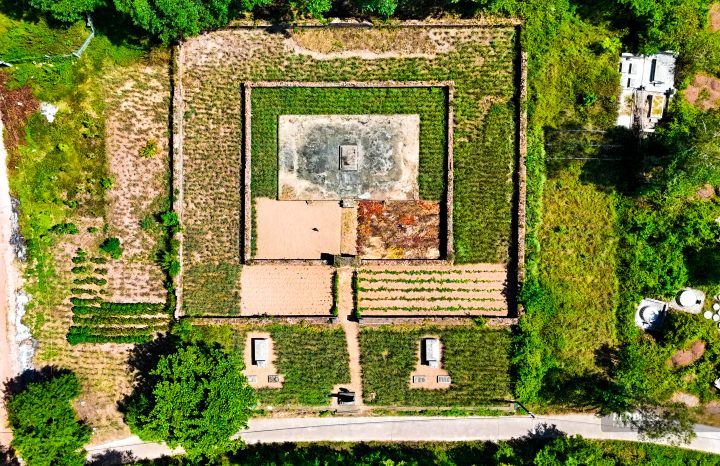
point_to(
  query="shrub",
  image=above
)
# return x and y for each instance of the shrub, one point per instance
(106, 183)
(149, 149)
(112, 247)
(65, 229)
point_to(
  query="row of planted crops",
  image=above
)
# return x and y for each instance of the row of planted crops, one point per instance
(96, 320)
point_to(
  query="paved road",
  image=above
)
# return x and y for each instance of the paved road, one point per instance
(421, 428)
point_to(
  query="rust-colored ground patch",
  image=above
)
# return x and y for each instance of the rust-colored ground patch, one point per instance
(15, 107)
(398, 230)
(286, 290)
(704, 92)
(474, 289)
(688, 356)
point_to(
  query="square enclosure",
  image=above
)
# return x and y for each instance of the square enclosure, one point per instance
(333, 157)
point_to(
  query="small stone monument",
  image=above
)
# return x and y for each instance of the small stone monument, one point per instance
(348, 158)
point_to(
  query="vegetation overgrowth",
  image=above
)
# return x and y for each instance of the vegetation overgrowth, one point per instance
(477, 359)
(311, 358)
(192, 395)
(519, 452)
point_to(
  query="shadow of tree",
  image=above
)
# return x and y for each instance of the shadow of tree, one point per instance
(142, 360)
(19, 383)
(112, 458)
(7, 456)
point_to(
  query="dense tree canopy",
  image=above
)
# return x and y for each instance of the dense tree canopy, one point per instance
(46, 430)
(175, 19)
(196, 396)
(67, 10)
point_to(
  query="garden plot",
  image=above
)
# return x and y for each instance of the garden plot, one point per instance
(286, 290)
(137, 119)
(477, 359)
(477, 289)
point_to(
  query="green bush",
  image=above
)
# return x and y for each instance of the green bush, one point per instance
(112, 247)
(65, 229)
(149, 149)
(46, 430)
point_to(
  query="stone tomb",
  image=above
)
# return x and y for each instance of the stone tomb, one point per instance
(335, 157)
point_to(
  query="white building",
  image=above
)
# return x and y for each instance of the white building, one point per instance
(432, 352)
(647, 83)
(259, 352)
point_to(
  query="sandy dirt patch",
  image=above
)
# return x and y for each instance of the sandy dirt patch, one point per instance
(688, 356)
(286, 290)
(686, 398)
(429, 373)
(352, 337)
(348, 240)
(474, 289)
(334, 157)
(9, 282)
(296, 229)
(399, 230)
(703, 92)
(261, 374)
(714, 17)
(376, 43)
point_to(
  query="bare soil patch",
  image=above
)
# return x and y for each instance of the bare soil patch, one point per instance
(688, 356)
(704, 92)
(297, 229)
(399, 230)
(714, 14)
(687, 399)
(261, 373)
(430, 373)
(286, 290)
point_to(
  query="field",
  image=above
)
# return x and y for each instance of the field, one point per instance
(312, 359)
(213, 68)
(77, 183)
(478, 289)
(578, 261)
(477, 359)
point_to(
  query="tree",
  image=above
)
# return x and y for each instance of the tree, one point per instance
(176, 19)
(112, 247)
(67, 11)
(195, 396)
(383, 8)
(571, 451)
(46, 430)
(310, 8)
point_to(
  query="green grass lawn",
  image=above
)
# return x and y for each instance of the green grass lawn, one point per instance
(311, 358)
(477, 359)
(577, 265)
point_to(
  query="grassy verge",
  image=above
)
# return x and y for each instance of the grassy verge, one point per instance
(476, 358)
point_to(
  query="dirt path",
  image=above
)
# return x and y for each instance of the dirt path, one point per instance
(352, 333)
(8, 281)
